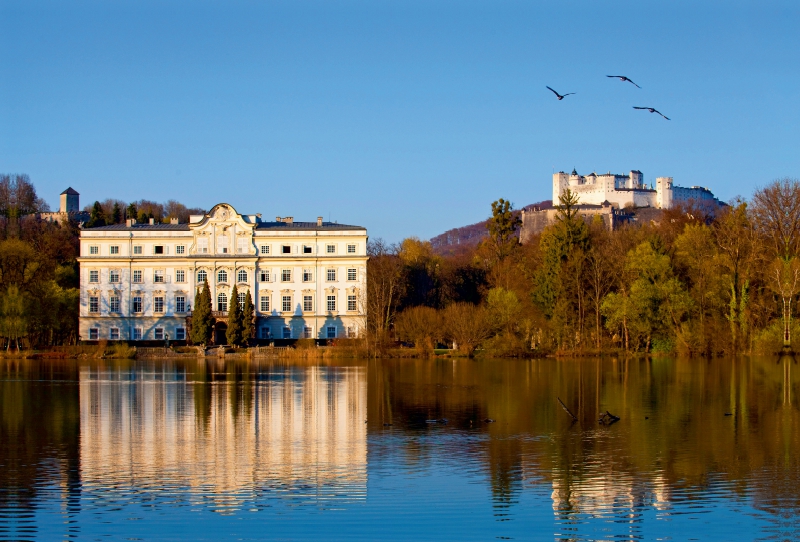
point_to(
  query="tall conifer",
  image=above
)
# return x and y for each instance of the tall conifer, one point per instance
(202, 320)
(248, 317)
(235, 326)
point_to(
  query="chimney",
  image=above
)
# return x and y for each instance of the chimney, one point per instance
(130, 222)
(173, 220)
(152, 221)
(278, 219)
(319, 221)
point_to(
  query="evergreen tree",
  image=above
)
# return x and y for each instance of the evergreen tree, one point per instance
(116, 214)
(132, 212)
(502, 228)
(248, 317)
(235, 325)
(97, 218)
(202, 320)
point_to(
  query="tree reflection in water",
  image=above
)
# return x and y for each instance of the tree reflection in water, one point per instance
(237, 436)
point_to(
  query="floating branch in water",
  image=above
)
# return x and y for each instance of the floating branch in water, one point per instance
(574, 418)
(607, 418)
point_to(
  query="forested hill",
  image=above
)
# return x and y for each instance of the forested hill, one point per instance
(452, 241)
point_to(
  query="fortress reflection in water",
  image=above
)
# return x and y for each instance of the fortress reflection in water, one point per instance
(296, 431)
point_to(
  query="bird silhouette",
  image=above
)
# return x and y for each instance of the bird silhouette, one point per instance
(652, 111)
(623, 78)
(560, 96)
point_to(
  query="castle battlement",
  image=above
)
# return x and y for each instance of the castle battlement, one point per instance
(626, 190)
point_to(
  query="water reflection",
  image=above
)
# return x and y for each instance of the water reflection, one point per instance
(703, 447)
(234, 434)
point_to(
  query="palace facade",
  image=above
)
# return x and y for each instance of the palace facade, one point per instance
(306, 279)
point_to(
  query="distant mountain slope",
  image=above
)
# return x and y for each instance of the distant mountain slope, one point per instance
(458, 239)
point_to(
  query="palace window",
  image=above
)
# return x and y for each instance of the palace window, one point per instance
(180, 275)
(351, 303)
(263, 333)
(202, 276)
(94, 304)
(180, 249)
(264, 275)
(331, 275)
(264, 250)
(222, 276)
(113, 276)
(308, 303)
(113, 250)
(307, 332)
(94, 334)
(286, 303)
(351, 274)
(308, 275)
(241, 297)
(137, 276)
(306, 249)
(94, 250)
(331, 332)
(351, 249)
(331, 303)
(158, 249)
(137, 250)
(222, 244)
(158, 304)
(202, 245)
(113, 304)
(286, 275)
(241, 276)
(286, 249)
(180, 303)
(241, 245)
(137, 334)
(350, 332)
(180, 333)
(136, 304)
(287, 332)
(113, 333)
(159, 334)
(222, 302)
(158, 275)
(94, 276)
(264, 303)
(330, 249)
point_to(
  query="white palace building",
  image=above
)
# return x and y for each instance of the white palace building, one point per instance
(306, 279)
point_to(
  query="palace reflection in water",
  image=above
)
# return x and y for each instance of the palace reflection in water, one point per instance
(714, 441)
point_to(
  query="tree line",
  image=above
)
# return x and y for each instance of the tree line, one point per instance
(115, 211)
(699, 281)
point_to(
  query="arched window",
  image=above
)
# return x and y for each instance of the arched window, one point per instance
(201, 277)
(242, 296)
(242, 276)
(222, 302)
(222, 276)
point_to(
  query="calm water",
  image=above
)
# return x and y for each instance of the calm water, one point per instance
(200, 450)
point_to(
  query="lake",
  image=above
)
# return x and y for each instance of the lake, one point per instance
(400, 450)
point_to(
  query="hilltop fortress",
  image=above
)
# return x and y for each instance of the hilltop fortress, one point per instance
(627, 190)
(616, 199)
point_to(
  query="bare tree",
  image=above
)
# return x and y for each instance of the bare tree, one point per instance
(468, 325)
(776, 215)
(384, 285)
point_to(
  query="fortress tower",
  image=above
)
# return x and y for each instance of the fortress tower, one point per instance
(70, 201)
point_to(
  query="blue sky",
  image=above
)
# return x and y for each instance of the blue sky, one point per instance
(409, 117)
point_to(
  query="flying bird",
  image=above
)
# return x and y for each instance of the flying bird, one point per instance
(623, 78)
(560, 96)
(651, 110)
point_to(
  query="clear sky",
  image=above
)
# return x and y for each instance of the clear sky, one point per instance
(406, 117)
